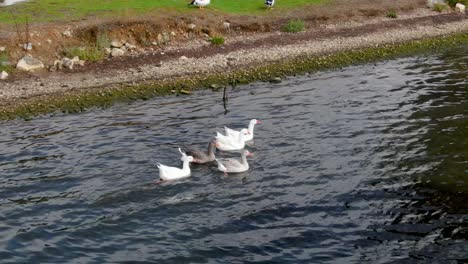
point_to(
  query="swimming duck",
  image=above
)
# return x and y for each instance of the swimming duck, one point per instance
(269, 3)
(202, 157)
(230, 143)
(233, 165)
(200, 3)
(167, 173)
(250, 129)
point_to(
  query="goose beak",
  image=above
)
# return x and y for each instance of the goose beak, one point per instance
(258, 122)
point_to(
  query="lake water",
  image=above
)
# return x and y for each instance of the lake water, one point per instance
(367, 164)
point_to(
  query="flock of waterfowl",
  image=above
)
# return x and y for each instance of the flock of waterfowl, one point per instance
(203, 3)
(232, 140)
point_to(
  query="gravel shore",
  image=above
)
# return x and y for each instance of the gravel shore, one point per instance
(238, 53)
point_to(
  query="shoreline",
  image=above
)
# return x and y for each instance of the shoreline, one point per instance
(243, 60)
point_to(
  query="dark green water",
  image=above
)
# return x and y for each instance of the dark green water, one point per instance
(363, 165)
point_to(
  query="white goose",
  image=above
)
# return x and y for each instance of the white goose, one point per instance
(250, 129)
(167, 173)
(230, 143)
(233, 165)
(200, 3)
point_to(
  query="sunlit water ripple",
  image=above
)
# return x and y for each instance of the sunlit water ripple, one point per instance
(366, 164)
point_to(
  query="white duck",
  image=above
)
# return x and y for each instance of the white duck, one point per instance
(250, 129)
(167, 173)
(233, 165)
(200, 3)
(230, 143)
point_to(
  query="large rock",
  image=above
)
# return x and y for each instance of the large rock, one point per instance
(3, 75)
(28, 63)
(115, 52)
(460, 8)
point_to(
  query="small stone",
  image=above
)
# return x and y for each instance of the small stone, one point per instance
(154, 43)
(116, 44)
(183, 58)
(460, 8)
(130, 46)
(226, 25)
(108, 51)
(160, 39)
(191, 26)
(117, 52)
(27, 46)
(49, 41)
(276, 80)
(2, 49)
(67, 33)
(173, 33)
(3, 75)
(166, 38)
(67, 63)
(186, 92)
(28, 63)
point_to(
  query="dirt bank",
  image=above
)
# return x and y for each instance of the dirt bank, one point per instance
(199, 58)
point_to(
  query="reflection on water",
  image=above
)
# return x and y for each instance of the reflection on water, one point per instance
(363, 165)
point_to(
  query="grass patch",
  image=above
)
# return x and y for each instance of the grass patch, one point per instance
(4, 62)
(440, 7)
(392, 14)
(93, 52)
(73, 102)
(85, 53)
(294, 26)
(66, 10)
(217, 40)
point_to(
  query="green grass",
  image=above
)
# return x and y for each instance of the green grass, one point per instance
(440, 7)
(392, 14)
(4, 59)
(217, 40)
(60, 10)
(91, 52)
(85, 53)
(294, 26)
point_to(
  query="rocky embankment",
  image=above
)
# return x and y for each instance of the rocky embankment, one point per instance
(204, 59)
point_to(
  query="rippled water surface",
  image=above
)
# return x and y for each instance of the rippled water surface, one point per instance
(363, 165)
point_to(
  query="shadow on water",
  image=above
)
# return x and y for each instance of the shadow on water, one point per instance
(363, 165)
